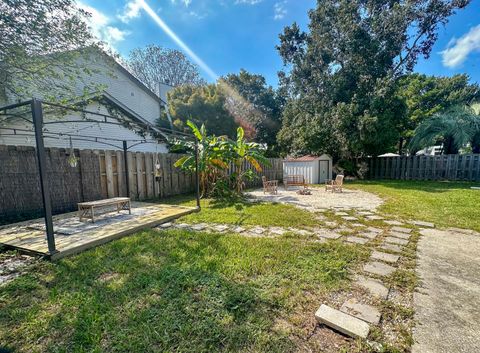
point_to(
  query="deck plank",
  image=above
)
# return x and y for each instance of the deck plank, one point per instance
(31, 240)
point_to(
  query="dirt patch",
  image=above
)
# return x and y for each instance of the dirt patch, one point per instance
(13, 265)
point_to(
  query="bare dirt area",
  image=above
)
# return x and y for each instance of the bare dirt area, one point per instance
(319, 198)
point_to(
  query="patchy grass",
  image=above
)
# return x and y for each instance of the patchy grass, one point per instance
(447, 204)
(175, 291)
(246, 213)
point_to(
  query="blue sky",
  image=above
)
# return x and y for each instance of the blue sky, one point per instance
(227, 35)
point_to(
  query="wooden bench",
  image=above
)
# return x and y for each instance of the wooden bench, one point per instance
(86, 209)
(294, 180)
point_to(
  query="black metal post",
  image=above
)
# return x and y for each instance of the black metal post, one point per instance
(125, 159)
(37, 115)
(197, 181)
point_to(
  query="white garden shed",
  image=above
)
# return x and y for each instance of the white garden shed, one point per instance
(315, 169)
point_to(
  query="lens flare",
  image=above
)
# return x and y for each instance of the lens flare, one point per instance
(236, 104)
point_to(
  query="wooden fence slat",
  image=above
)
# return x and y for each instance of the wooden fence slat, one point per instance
(122, 188)
(444, 167)
(109, 174)
(141, 188)
(149, 175)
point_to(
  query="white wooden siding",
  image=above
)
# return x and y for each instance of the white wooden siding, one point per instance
(310, 169)
(82, 128)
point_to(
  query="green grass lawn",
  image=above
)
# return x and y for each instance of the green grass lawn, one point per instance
(447, 204)
(246, 213)
(175, 291)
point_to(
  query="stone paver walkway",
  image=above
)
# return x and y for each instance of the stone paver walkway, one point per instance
(447, 304)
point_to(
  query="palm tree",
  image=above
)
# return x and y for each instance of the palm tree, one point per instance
(454, 128)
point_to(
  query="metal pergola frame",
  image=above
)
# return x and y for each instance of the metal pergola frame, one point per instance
(36, 109)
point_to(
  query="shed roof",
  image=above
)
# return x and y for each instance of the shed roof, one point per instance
(306, 158)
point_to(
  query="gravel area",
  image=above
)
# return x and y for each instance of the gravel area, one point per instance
(13, 265)
(348, 199)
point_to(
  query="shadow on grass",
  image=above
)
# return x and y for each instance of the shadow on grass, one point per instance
(138, 294)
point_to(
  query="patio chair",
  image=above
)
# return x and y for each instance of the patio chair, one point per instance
(269, 186)
(335, 185)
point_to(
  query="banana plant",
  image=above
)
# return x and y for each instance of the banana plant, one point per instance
(212, 156)
(242, 152)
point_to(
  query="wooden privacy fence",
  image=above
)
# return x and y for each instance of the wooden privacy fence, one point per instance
(455, 167)
(141, 175)
(99, 174)
(274, 171)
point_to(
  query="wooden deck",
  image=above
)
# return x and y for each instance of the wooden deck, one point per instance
(26, 237)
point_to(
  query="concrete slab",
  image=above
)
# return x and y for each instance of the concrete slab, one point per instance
(331, 224)
(393, 223)
(390, 258)
(166, 225)
(400, 235)
(378, 268)
(396, 241)
(342, 322)
(361, 311)
(181, 225)
(447, 303)
(238, 229)
(422, 224)
(350, 218)
(358, 225)
(327, 234)
(277, 231)
(365, 213)
(199, 226)
(402, 229)
(375, 230)
(356, 240)
(373, 286)
(369, 235)
(341, 214)
(391, 247)
(220, 228)
(374, 218)
(258, 230)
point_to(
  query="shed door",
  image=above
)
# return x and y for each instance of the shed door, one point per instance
(323, 171)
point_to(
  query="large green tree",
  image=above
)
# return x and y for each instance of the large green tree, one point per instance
(426, 96)
(203, 105)
(341, 74)
(252, 102)
(38, 48)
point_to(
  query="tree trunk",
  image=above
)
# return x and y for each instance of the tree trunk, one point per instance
(476, 143)
(449, 145)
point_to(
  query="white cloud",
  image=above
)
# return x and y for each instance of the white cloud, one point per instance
(248, 2)
(279, 10)
(185, 2)
(131, 10)
(459, 49)
(99, 24)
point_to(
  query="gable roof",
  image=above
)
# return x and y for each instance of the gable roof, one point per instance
(125, 71)
(306, 158)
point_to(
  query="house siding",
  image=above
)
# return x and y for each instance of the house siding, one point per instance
(118, 84)
(80, 128)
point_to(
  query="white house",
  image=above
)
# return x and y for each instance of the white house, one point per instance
(129, 98)
(315, 169)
